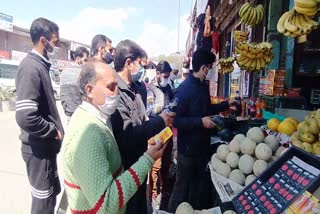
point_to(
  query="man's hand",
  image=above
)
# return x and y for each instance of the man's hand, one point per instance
(59, 136)
(168, 117)
(208, 123)
(156, 151)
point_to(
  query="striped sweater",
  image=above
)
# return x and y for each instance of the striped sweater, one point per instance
(94, 178)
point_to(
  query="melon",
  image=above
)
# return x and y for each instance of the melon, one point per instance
(239, 137)
(234, 146)
(223, 169)
(215, 161)
(222, 152)
(256, 134)
(229, 212)
(259, 166)
(184, 208)
(247, 146)
(232, 159)
(272, 141)
(237, 176)
(249, 179)
(263, 152)
(246, 164)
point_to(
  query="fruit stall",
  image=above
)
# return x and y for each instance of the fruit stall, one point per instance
(271, 49)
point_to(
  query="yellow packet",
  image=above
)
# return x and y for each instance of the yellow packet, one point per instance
(163, 136)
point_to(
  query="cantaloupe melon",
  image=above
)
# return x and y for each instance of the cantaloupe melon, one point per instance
(246, 164)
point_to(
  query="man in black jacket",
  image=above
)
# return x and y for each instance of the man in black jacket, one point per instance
(38, 117)
(194, 125)
(129, 124)
(70, 95)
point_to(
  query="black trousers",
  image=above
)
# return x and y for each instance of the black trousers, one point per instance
(45, 186)
(193, 184)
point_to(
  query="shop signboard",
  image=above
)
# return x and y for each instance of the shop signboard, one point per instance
(6, 22)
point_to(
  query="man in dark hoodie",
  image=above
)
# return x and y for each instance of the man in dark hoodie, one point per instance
(193, 183)
(38, 117)
(129, 124)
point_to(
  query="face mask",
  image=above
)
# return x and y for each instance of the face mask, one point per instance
(108, 58)
(110, 105)
(209, 74)
(173, 77)
(54, 51)
(164, 82)
(138, 76)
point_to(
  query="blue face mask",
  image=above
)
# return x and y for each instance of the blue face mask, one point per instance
(138, 76)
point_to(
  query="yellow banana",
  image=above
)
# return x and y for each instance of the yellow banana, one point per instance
(262, 62)
(288, 25)
(311, 21)
(243, 9)
(260, 10)
(305, 3)
(305, 21)
(306, 11)
(280, 25)
(253, 17)
(266, 44)
(253, 65)
(258, 64)
(246, 14)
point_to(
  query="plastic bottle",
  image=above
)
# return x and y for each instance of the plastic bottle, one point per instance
(258, 109)
(252, 108)
(263, 104)
(243, 107)
(238, 104)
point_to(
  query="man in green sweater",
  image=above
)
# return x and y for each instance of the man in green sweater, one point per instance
(95, 181)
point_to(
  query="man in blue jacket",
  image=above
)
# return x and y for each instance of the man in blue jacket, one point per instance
(194, 125)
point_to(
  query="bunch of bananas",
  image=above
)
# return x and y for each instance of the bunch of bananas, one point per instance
(295, 24)
(254, 57)
(307, 7)
(240, 36)
(251, 15)
(225, 65)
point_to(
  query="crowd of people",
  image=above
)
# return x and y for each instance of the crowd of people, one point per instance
(108, 150)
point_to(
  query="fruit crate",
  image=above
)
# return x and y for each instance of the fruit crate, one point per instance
(263, 188)
(273, 102)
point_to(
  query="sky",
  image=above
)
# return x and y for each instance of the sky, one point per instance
(153, 24)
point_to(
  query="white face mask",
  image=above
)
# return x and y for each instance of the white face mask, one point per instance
(209, 74)
(110, 105)
(54, 53)
(164, 82)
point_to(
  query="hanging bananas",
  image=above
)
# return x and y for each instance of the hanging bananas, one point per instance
(240, 36)
(254, 57)
(295, 24)
(251, 15)
(307, 7)
(225, 65)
